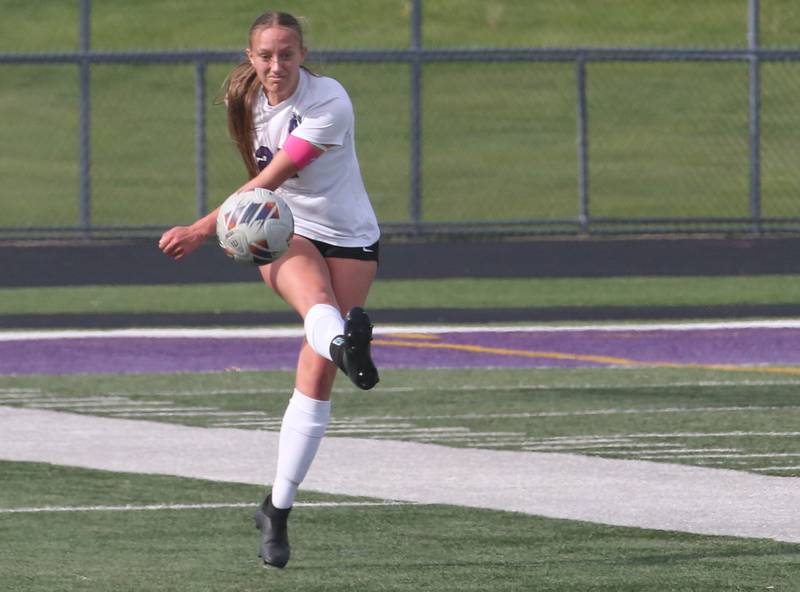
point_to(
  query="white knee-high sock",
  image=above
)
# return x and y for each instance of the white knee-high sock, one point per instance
(323, 322)
(302, 429)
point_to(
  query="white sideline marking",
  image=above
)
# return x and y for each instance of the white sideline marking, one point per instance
(615, 437)
(109, 406)
(247, 423)
(49, 399)
(267, 332)
(212, 393)
(153, 507)
(470, 435)
(4, 392)
(633, 411)
(618, 445)
(398, 430)
(472, 388)
(187, 412)
(628, 493)
(678, 452)
(733, 455)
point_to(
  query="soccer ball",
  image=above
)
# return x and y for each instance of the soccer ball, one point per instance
(254, 227)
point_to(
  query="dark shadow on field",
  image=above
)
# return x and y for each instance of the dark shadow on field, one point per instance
(476, 316)
(139, 262)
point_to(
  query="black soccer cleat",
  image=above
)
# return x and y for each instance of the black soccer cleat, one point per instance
(271, 521)
(351, 351)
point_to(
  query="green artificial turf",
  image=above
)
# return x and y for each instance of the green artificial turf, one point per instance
(403, 548)
(408, 294)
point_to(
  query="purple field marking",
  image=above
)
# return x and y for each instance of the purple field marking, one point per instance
(754, 345)
(128, 355)
(115, 355)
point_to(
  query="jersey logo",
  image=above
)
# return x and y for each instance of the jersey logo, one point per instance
(294, 122)
(264, 155)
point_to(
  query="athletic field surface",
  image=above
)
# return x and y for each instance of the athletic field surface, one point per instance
(658, 456)
(734, 346)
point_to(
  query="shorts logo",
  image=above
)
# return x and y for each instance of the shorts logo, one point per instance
(366, 250)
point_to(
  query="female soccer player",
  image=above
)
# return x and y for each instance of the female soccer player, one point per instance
(295, 133)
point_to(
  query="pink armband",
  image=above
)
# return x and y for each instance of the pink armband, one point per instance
(300, 152)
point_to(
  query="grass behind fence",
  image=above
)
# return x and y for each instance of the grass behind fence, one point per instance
(498, 139)
(470, 293)
(153, 24)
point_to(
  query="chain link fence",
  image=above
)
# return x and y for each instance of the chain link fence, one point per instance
(474, 117)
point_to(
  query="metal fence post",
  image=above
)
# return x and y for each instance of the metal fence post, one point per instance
(201, 190)
(754, 102)
(583, 146)
(84, 119)
(415, 193)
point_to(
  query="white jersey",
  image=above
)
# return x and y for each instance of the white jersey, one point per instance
(328, 199)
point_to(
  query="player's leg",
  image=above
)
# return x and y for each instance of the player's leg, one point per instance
(302, 428)
(301, 278)
(351, 280)
(306, 281)
(321, 293)
(308, 412)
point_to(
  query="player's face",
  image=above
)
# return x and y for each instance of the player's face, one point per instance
(276, 55)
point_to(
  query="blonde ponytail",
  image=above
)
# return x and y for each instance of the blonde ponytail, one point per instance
(241, 92)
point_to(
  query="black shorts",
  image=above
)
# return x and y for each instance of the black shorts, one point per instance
(369, 253)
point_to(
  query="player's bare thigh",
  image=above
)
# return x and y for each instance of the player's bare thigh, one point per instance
(301, 277)
(351, 280)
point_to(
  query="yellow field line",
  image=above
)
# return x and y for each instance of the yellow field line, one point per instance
(611, 360)
(502, 351)
(424, 336)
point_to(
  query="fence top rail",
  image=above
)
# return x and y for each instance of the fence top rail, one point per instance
(588, 54)
(632, 222)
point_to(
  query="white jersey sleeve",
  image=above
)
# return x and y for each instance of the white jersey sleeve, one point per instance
(327, 124)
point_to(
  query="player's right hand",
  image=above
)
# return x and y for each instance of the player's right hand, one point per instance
(180, 241)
